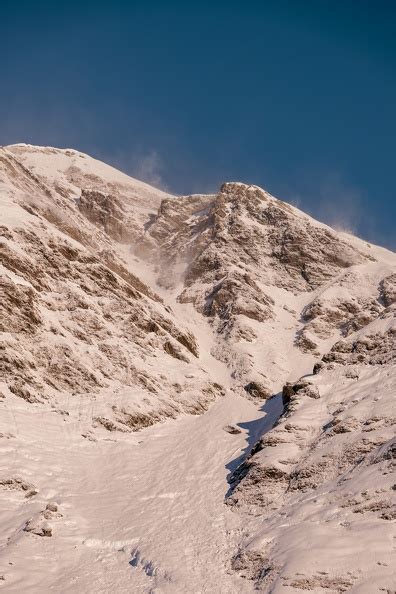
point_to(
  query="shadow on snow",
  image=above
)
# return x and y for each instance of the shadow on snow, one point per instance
(272, 408)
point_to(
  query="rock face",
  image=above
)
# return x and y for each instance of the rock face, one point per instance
(76, 320)
(251, 263)
(244, 229)
(122, 307)
(107, 213)
(329, 461)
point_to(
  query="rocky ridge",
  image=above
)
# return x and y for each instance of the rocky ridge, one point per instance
(327, 465)
(77, 321)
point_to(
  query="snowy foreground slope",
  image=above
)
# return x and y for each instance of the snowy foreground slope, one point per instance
(197, 393)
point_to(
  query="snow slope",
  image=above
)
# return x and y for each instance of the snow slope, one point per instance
(155, 435)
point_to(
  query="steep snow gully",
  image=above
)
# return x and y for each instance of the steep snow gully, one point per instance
(197, 393)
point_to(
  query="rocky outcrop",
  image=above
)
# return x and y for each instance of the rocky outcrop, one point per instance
(323, 317)
(229, 253)
(107, 213)
(327, 463)
(78, 322)
(378, 348)
(388, 290)
(246, 225)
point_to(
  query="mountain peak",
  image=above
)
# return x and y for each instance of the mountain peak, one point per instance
(153, 343)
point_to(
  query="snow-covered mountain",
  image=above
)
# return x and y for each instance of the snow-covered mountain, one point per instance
(197, 393)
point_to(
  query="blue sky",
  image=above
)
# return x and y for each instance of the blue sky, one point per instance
(298, 97)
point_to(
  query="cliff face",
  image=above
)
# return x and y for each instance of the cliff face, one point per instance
(271, 280)
(76, 319)
(326, 470)
(123, 307)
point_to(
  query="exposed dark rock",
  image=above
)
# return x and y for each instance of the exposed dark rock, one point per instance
(232, 429)
(258, 390)
(18, 484)
(174, 351)
(41, 529)
(107, 212)
(374, 349)
(388, 290)
(256, 566)
(302, 388)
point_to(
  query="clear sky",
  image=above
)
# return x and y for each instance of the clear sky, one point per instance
(297, 96)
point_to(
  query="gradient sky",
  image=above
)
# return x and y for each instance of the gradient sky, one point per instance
(295, 96)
